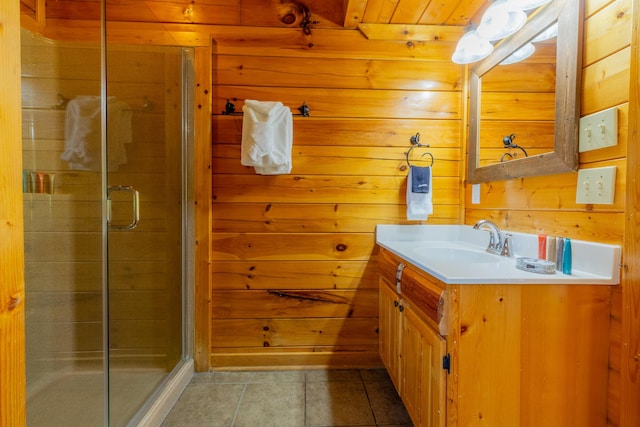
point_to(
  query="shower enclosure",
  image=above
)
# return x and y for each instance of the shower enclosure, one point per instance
(106, 150)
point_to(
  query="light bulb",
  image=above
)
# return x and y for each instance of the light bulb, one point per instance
(519, 55)
(471, 48)
(500, 20)
(528, 4)
(547, 34)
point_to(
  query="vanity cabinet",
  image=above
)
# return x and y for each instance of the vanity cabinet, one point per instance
(411, 347)
(389, 331)
(520, 355)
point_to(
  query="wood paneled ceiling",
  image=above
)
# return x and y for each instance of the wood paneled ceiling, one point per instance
(424, 12)
(307, 14)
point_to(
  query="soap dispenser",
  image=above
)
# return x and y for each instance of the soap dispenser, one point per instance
(566, 256)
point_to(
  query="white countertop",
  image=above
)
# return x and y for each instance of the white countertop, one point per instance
(430, 248)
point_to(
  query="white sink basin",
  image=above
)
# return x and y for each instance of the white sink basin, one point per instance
(456, 254)
(452, 253)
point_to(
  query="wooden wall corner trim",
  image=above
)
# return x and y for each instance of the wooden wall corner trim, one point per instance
(12, 316)
(353, 12)
(464, 134)
(630, 364)
(202, 306)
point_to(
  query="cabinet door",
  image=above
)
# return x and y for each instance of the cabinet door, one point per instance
(388, 328)
(423, 387)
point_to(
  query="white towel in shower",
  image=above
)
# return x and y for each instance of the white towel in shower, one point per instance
(83, 133)
(267, 137)
(419, 204)
(119, 132)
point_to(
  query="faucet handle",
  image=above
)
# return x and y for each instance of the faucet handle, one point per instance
(492, 238)
(506, 245)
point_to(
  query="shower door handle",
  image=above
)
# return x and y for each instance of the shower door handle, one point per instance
(135, 203)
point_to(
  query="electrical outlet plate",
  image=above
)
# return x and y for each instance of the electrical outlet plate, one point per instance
(475, 194)
(599, 130)
(596, 186)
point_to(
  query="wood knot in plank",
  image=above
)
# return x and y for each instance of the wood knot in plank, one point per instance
(13, 303)
(314, 297)
(295, 13)
(288, 19)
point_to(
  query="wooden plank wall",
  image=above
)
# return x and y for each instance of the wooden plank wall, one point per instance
(293, 269)
(547, 204)
(63, 230)
(291, 233)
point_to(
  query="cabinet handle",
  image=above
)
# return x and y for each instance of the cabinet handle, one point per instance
(399, 276)
(446, 363)
(395, 303)
(401, 308)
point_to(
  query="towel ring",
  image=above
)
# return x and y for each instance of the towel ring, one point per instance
(427, 153)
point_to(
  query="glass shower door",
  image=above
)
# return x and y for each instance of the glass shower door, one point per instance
(64, 232)
(145, 179)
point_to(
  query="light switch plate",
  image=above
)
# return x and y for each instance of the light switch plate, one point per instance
(599, 130)
(596, 186)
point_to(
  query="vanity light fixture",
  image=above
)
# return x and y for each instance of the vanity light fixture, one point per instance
(528, 4)
(471, 48)
(521, 54)
(500, 20)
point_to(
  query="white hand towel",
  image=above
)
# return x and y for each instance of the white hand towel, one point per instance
(267, 137)
(419, 205)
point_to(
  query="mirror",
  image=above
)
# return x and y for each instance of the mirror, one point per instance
(551, 134)
(517, 107)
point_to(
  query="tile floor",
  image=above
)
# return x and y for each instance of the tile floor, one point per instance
(317, 398)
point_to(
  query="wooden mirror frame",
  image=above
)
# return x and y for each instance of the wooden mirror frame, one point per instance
(564, 158)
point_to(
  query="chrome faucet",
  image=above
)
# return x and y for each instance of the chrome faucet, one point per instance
(499, 244)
